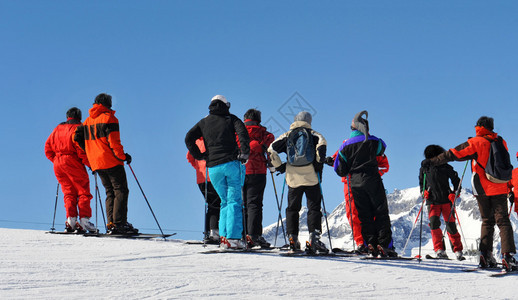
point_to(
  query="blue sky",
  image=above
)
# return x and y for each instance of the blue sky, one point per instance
(425, 71)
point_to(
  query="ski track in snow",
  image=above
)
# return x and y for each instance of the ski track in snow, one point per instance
(35, 265)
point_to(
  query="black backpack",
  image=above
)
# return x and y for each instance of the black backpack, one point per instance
(498, 168)
(300, 147)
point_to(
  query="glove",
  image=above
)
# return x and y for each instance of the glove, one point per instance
(330, 161)
(128, 158)
(243, 158)
(281, 169)
(426, 163)
(451, 197)
(272, 169)
(426, 195)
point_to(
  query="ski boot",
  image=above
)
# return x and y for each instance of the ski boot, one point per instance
(257, 241)
(373, 252)
(459, 256)
(223, 243)
(70, 224)
(294, 243)
(236, 244)
(509, 262)
(362, 249)
(123, 228)
(314, 245)
(487, 260)
(212, 237)
(387, 252)
(441, 254)
(86, 225)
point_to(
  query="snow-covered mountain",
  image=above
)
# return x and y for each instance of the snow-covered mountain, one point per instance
(404, 206)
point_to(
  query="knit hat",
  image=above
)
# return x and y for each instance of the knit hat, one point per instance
(361, 124)
(220, 98)
(304, 116)
(104, 99)
(74, 113)
(486, 122)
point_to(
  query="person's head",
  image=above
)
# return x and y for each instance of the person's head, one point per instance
(104, 99)
(432, 151)
(74, 113)
(486, 122)
(219, 98)
(253, 114)
(303, 116)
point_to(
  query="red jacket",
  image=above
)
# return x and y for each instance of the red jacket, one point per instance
(60, 143)
(513, 187)
(260, 140)
(100, 138)
(198, 165)
(476, 149)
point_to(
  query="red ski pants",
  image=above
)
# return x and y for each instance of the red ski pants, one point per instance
(434, 214)
(353, 219)
(75, 184)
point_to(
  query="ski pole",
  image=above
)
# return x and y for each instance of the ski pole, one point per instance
(462, 233)
(350, 208)
(325, 212)
(55, 207)
(278, 208)
(98, 196)
(457, 193)
(138, 183)
(279, 218)
(205, 233)
(418, 214)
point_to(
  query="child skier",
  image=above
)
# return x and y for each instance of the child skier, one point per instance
(440, 199)
(211, 233)
(69, 166)
(255, 179)
(224, 158)
(357, 157)
(303, 172)
(491, 196)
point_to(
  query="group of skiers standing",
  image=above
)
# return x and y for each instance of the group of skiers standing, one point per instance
(232, 159)
(237, 154)
(95, 144)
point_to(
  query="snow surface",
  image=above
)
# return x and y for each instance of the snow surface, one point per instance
(36, 265)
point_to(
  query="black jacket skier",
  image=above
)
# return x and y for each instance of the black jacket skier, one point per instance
(218, 134)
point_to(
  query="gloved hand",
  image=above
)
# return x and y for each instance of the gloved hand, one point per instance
(451, 197)
(272, 169)
(243, 158)
(426, 194)
(330, 161)
(281, 169)
(426, 163)
(128, 158)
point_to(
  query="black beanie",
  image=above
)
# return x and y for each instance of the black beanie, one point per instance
(74, 113)
(486, 122)
(104, 99)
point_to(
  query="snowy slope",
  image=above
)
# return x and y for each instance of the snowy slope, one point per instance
(35, 265)
(404, 206)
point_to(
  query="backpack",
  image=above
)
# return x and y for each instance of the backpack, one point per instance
(498, 168)
(300, 147)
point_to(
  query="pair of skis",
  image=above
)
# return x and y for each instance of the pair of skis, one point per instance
(126, 236)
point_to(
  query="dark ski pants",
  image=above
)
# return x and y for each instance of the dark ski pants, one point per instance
(493, 210)
(371, 203)
(213, 205)
(253, 192)
(116, 185)
(313, 197)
